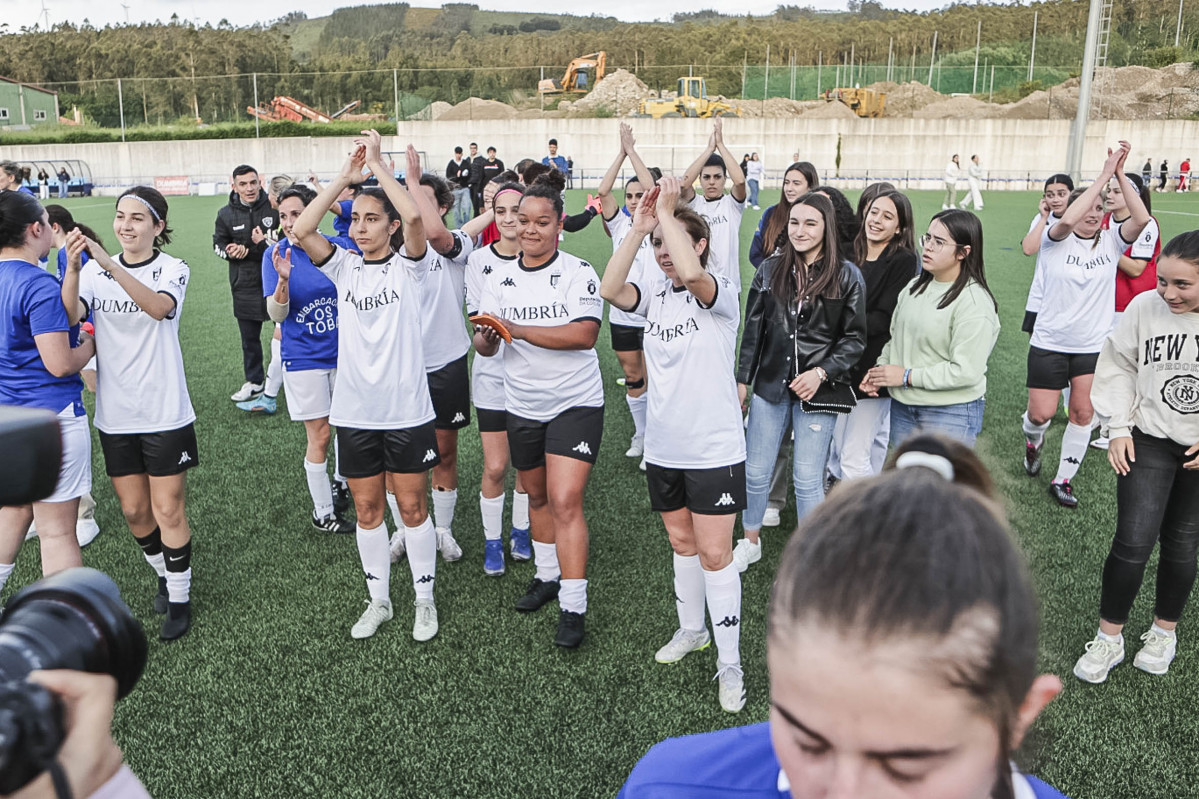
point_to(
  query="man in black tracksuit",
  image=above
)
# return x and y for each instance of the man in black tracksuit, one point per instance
(476, 178)
(240, 238)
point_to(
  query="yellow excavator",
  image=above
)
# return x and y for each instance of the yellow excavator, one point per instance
(581, 76)
(691, 100)
(863, 102)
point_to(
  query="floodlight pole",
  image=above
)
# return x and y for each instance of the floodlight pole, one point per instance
(1178, 28)
(1078, 130)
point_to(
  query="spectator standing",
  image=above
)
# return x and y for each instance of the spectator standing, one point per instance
(554, 160)
(43, 183)
(1147, 173)
(755, 169)
(488, 169)
(1184, 175)
(974, 176)
(64, 177)
(1164, 177)
(458, 173)
(953, 171)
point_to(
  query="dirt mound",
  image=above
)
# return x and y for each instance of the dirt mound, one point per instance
(905, 98)
(475, 108)
(437, 108)
(620, 92)
(955, 108)
(833, 110)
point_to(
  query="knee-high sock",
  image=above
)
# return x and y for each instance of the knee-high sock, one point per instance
(179, 572)
(520, 511)
(689, 592)
(637, 407)
(376, 561)
(492, 511)
(319, 488)
(152, 551)
(1035, 433)
(723, 589)
(444, 502)
(422, 557)
(274, 371)
(572, 597)
(1075, 440)
(545, 558)
(395, 511)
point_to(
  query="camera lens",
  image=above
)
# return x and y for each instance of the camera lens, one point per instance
(72, 620)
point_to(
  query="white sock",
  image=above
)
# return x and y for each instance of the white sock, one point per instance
(376, 561)
(689, 592)
(5, 573)
(545, 558)
(572, 596)
(1035, 433)
(274, 371)
(444, 501)
(422, 557)
(1066, 398)
(520, 510)
(1155, 627)
(1117, 639)
(159, 562)
(492, 511)
(395, 511)
(179, 586)
(724, 606)
(1074, 446)
(637, 407)
(319, 488)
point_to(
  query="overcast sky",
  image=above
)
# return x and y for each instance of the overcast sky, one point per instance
(21, 13)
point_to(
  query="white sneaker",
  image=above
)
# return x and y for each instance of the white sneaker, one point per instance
(425, 625)
(1100, 658)
(732, 688)
(86, 531)
(771, 518)
(636, 447)
(683, 642)
(757, 208)
(377, 612)
(396, 545)
(1157, 653)
(746, 553)
(447, 546)
(1103, 442)
(248, 391)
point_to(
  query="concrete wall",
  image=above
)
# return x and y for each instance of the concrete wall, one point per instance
(911, 149)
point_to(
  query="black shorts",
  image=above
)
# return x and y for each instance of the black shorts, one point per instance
(155, 454)
(710, 492)
(366, 453)
(449, 387)
(626, 338)
(491, 421)
(574, 433)
(1054, 370)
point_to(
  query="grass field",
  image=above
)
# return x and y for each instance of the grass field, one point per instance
(269, 697)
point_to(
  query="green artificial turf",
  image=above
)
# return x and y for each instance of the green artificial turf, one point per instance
(268, 695)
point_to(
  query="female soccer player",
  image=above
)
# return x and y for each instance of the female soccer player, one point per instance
(549, 303)
(39, 368)
(1054, 199)
(627, 329)
(942, 333)
(799, 179)
(143, 410)
(805, 328)
(697, 483)
(723, 212)
(1145, 384)
(902, 649)
(1078, 263)
(381, 405)
(303, 303)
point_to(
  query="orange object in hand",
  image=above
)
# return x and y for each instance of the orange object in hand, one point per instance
(487, 320)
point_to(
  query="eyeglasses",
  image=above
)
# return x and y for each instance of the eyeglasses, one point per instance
(932, 243)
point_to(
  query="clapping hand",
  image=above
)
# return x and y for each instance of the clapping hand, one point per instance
(283, 263)
(645, 219)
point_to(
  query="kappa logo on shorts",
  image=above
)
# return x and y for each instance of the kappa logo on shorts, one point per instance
(430, 455)
(184, 458)
(725, 499)
(583, 447)
(458, 417)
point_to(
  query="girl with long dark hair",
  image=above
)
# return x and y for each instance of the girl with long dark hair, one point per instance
(799, 179)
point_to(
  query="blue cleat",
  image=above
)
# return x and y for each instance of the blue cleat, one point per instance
(522, 548)
(262, 404)
(493, 558)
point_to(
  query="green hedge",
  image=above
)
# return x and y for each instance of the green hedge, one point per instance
(66, 134)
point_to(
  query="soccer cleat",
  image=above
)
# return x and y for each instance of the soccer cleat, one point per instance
(332, 524)
(732, 688)
(636, 447)
(177, 622)
(519, 543)
(162, 599)
(424, 626)
(493, 557)
(746, 553)
(570, 630)
(770, 518)
(396, 545)
(1157, 653)
(683, 643)
(260, 404)
(447, 546)
(537, 594)
(1100, 658)
(1032, 457)
(1063, 494)
(377, 611)
(1101, 443)
(248, 391)
(341, 498)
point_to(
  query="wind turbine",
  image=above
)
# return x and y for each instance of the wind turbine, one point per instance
(126, 7)
(45, 15)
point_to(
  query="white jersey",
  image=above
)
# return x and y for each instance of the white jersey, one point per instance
(620, 226)
(541, 383)
(1078, 307)
(381, 383)
(724, 242)
(1037, 288)
(693, 420)
(442, 292)
(140, 384)
(486, 374)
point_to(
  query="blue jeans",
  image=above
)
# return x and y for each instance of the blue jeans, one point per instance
(753, 192)
(463, 209)
(962, 421)
(813, 433)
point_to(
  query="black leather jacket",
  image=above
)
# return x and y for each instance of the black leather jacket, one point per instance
(778, 344)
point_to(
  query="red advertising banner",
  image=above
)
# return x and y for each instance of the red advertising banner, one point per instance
(179, 184)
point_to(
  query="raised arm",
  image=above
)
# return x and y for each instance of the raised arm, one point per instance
(76, 244)
(682, 252)
(1077, 209)
(306, 230)
(731, 165)
(415, 242)
(157, 305)
(614, 285)
(438, 235)
(639, 168)
(697, 166)
(1130, 228)
(1032, 241)
(608, 202)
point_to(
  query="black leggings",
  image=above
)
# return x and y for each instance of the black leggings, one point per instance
(1156, 500)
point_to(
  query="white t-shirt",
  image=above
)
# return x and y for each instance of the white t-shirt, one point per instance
(1078, 307)
(1146, 244)
(541, 383)
(620, 226)
(442, 292)
(486, 374)
(1037, 288)
(381, 383)
(724, 222)
(693, 418)
(140, 384)
(754, 170)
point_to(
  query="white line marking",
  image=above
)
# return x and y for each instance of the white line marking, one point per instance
(1179, 213)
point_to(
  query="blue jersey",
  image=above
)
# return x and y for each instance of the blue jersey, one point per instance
(558, 162)
(341, 222)
(309, 334)
(30, 305)
(738, 762)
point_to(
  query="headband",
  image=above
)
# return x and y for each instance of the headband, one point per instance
(508, 191)
(144, 202)
(937, 463)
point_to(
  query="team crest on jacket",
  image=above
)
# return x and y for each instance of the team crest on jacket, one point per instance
(1181, 393)
(268, 221)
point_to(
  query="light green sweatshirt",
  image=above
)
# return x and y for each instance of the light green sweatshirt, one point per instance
(946, 348)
